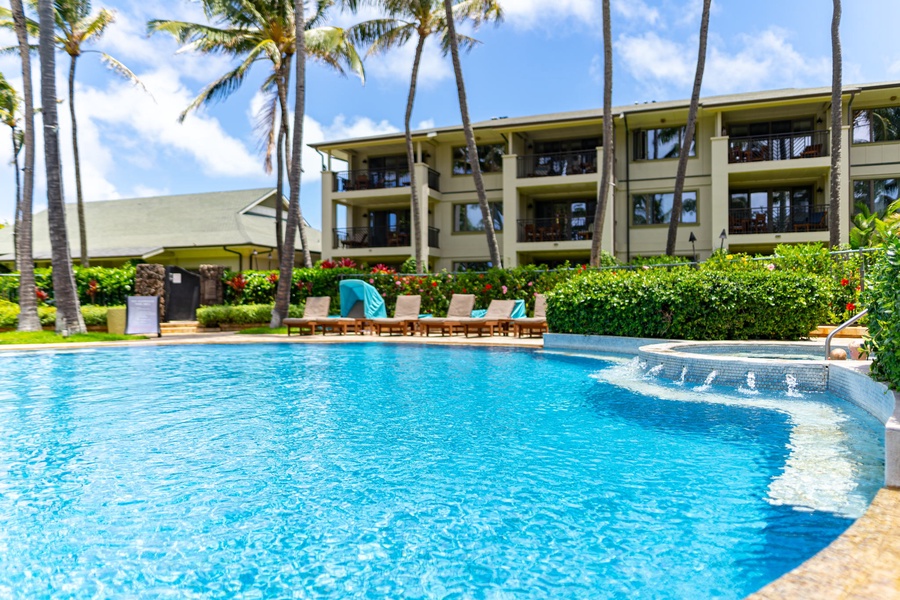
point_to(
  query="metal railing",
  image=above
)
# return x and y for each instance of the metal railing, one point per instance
(840, 328)
(378, 237)
(379, 179)
(776, 219)
(555, 229)
(557, 164)
(788, 146)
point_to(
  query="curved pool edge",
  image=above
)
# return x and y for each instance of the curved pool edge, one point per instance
(864, 561)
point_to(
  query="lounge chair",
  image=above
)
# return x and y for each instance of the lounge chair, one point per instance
(537, 323)
(499, 314)
(355, 319)
(316, 309)
(461, 306)
(406, 314)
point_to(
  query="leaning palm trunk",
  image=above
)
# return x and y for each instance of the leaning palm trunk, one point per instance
(82, 226)
(68, 311)
(410, 159)
(28, 315)
(279, 191)
(18, 219)
(608, 140)
(295, 216)
(688, 140)
(487, 218)
(837, 118)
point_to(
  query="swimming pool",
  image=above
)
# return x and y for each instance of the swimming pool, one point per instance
(386, 470)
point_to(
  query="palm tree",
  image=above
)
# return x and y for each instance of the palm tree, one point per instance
(263, 30)
(295, 214)
(28, 315)
(688, 140)
(420, 19)
(9, 116)
(837, 118)
(68, 311)
(608, 139)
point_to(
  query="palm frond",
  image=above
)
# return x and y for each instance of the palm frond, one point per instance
(96, 27)
(121, 70)
(332, 46)
(224, 86)
(267, 128)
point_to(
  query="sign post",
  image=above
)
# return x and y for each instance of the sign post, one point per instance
(142, 315)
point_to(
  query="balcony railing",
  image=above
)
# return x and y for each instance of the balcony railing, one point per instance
(379, 179)
(556, 229)
(557, 164)
(788, 146)
(379, 237)
(776, 219)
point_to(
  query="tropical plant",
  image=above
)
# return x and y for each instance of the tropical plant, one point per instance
(882, 298)
(677, 202)
(608, 137)
(28, 320)
(420, 19)
(837, 121)
(69, 318)
(873, 228)
(264, 30)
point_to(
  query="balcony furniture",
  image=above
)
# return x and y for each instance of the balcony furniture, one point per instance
(316, 308)
(358, 239)
(461, 306)
(537, 323)
(530, 233)
(759, 224)
(398, 239)
(543, 170)
(738, 224)
(816, 222)
(812, 151)
(362, 181)
(775, 147)
(585, 234)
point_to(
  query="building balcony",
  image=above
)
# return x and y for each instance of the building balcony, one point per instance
(777, 219)
(557, 164)
(789, 146)
(555, 229)
(380, 179)
(379, 237)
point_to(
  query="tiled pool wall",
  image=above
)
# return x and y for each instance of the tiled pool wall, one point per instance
(848, 380)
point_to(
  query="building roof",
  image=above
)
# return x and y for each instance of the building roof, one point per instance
(720, 102)
(143, 227)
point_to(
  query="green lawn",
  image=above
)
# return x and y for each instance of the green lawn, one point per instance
(49, 337)
(264, 330)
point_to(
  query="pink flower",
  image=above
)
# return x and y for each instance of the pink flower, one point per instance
(504, 288)
(398, 283)
(646, 267)
(770, 267)
(530, 283)
(371, 281)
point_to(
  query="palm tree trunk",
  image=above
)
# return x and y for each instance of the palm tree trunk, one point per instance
(487, 218)
(284, 81)
(410, 158)
(295, 215)
(82, 227)
(279, 189)
(68, 310)
(837, 121)
(608, 139)
(28, 315)
(686, 143)
(17, 223)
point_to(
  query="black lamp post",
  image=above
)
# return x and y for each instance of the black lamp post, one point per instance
(722, 236)
(693, 240)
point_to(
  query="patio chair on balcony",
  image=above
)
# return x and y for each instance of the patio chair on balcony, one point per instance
(538, 323)
(362, 181)
(357, 239)
(316, 308)
(461, 306)
(530, 233)
(812, 151)
(406, 315)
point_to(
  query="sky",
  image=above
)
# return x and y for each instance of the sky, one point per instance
(545, 57)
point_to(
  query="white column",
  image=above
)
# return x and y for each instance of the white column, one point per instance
(422, 181)
(846, 196)
(718, 219)
(327, 215)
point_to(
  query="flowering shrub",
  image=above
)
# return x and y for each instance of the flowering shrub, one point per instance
(882, 297)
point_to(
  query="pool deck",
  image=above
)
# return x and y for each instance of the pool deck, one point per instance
(862, 564)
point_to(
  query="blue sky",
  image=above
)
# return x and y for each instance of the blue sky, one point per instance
(544, 57)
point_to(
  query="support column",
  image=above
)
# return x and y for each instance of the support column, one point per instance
(718, 218)
(608, 242)
(422, 180)
(327, 215)
(846, 196)
(509, 248)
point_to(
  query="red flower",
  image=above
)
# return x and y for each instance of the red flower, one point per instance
(272, 278)
(434, 284)
(851, 306)
(487, 286)
(41, 294)
(859, 288)
(327, 264)
(237, 283)
(845, 282)
(347, 263)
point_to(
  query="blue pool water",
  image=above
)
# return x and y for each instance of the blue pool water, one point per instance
(371, 470)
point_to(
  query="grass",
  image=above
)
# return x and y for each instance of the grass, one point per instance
(264, 330)
(49, 337)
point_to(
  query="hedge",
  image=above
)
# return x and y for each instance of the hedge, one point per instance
(691, 304)
(882, 297)
(213, 316)
(100, 286)
(9, 315)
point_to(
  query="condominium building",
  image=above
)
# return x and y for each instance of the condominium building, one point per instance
(758, 175)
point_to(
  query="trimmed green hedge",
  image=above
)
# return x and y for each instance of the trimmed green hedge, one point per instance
(213, 316)
(9, 315)
(882, 297)
(690, 304)
(101, 286)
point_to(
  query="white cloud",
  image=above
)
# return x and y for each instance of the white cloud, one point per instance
(396, 65)
(531, 14)
(651, 58)
(636, 10)
(426, 124)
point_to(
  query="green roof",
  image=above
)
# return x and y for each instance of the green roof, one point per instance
(141, 227)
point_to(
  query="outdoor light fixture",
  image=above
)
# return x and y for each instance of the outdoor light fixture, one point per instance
(723, 236)
(693, 240)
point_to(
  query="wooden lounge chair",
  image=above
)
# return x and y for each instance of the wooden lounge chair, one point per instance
(406, 314)
(355, 320)
(316, 308)
(537, 323)
(498, 316)
(461, 306)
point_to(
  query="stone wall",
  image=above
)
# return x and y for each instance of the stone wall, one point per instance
(150, 280)
(212, 290)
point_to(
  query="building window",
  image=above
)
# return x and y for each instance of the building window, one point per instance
(657, 144)
(656, 209)
(472, 266)
(876, 125)
(467, 217)
(875, 194)
(490, 158)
